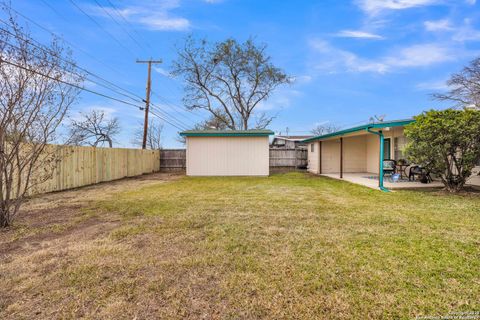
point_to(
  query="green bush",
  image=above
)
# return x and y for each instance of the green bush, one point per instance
(447, 143)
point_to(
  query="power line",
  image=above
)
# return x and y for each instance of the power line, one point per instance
(172, 124)
(44, 49)
(171, 117)
(40, 46)
(175, 106)
(68, 83)
(71, 63)
(100, 26)
(120, 25)
(186, 121)
(189, 120)
(81, 88)
(117, 11)
(65, 40)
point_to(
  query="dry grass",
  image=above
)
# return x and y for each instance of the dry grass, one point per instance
(288, 246)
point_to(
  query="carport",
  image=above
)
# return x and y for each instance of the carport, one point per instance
(358, 151)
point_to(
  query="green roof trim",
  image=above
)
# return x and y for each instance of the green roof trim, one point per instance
(379, 125)
(226, 133)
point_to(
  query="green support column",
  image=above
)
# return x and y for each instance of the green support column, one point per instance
(380, 173)
(380, 177)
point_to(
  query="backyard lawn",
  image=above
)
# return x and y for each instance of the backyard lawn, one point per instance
(287, 246)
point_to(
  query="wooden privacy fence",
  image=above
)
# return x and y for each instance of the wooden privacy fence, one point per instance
(81, 166)
(173, 159)
(291, 158)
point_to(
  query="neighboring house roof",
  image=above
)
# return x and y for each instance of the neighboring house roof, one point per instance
(293, 138)
(378, 125)
(226, 133)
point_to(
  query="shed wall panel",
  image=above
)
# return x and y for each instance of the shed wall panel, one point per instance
(227, 156)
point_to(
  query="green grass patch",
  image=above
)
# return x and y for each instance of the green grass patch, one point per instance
(289, 246)
(295, 245)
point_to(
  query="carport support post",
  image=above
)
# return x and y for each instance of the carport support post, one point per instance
(380, 177)
(320, 157)
(380, 173)
(341, 158)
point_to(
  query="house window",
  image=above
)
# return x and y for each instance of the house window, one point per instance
(399, 145)
(312, 147)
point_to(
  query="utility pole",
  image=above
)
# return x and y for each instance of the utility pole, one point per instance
(147, 98)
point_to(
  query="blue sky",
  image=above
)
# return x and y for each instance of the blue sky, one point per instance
(351, 59)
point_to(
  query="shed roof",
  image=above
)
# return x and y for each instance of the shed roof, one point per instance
(379, 125)
(226, 133)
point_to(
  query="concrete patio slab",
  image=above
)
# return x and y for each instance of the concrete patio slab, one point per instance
(366, 179)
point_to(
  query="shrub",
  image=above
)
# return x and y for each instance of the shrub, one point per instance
(447, 143)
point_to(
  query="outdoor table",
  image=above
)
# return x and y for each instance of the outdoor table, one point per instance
(401, 169)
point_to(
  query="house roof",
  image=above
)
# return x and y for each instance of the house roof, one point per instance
(226, 133)
(293, 138)
(379, 125)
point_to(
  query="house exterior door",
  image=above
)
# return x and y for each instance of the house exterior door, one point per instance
(386, 148)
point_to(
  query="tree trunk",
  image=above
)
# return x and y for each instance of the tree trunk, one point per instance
(4, 221)
(454, 184)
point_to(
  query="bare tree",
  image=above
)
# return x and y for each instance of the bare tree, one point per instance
(34, 97)
(154, 135)
(94, 129)
(228, 79)
(212, 123)
(322, 129)
(465, 87)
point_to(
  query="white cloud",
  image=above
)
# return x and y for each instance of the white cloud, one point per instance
(435, 85)
(438, 25)
(466, 32)
(358, 34)
(421, 55)
(303, 79)
(374, 7)
(163, 22)
(154, 15)
(162, 71)
(337, 60)
(461, 33)
(334, 59)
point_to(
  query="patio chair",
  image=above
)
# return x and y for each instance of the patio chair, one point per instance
(422, 173)
(389, 166)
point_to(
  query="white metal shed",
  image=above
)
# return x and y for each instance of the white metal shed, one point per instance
(227, 153)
